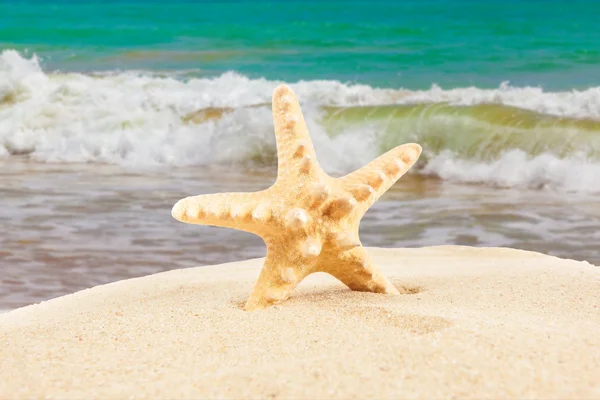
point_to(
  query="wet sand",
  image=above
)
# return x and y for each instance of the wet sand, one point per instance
(68, 227)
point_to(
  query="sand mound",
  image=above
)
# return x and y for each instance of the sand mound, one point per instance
(471, 323)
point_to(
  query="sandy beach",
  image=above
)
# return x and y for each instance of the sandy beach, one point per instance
(470, 323)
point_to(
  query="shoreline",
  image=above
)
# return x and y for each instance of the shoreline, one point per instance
(415, 212)
(470, 323)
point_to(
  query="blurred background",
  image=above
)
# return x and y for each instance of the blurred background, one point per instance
(111, 111)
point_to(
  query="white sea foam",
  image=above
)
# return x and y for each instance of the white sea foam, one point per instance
(135, 119)
(575, 103)
(517, 169)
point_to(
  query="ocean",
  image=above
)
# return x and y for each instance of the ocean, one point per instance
(112, 111)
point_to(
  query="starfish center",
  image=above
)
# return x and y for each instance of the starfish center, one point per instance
(308, 219)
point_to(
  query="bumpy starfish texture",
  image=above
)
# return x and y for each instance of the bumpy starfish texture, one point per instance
(308, 219)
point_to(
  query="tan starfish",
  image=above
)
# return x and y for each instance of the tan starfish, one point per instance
(308, 219)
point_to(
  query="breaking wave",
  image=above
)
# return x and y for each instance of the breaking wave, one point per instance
(508, 136)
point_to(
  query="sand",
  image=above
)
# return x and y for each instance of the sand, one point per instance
(471, 323)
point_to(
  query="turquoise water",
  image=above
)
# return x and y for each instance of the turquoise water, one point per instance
(410, 44)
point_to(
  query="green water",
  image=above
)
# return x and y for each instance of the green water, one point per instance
(410, 44)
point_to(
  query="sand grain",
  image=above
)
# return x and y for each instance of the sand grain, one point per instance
(471, 323)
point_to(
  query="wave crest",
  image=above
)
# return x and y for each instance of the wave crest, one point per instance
(506, 136)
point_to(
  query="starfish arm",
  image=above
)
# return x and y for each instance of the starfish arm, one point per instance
(295, 151)
(280, 275)
(308, 219)
(370, 182)
(249, 212)
(355, 269)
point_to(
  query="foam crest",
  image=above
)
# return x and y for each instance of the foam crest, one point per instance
(516, 169)
(574, 103)
(140, 119)
(19, 77)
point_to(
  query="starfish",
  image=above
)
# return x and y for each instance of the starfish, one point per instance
(308, 219)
